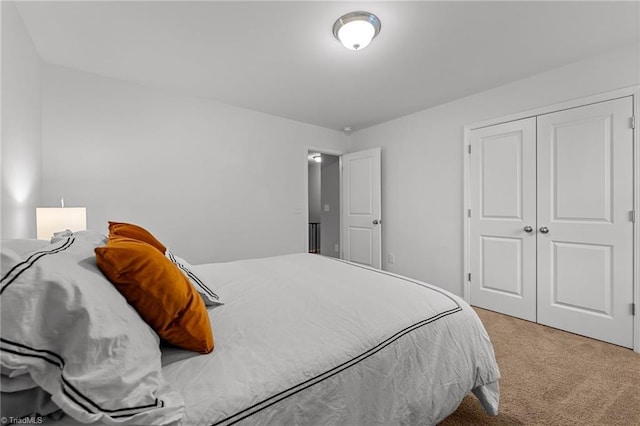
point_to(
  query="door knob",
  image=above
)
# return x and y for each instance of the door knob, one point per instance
(544, 229)
(528, 228)
(376, 221)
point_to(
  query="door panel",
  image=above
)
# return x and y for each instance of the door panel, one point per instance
(362, 207)
(502, 253)
(501, 168)
(360, 187)
(591, 169)
(501, 265)
(360, 245)
(579, 266)
(585, 177)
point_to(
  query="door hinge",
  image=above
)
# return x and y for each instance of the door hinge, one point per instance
(633, 309)
(469, 277)
(633, 122)
(632, 214)
(469, 213)
(469, 148)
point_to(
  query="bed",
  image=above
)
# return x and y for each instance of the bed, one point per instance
(299, 339)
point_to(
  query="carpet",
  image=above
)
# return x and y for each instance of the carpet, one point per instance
(552, 377)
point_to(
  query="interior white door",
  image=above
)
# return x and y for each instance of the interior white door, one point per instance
(503, 218)
(585, 230)
(361, 201)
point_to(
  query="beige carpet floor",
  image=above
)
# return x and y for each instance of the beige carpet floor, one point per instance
(551, 377)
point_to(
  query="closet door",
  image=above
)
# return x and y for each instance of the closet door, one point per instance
(585, 232)
(503, 218)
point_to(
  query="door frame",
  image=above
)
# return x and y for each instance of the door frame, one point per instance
(634, 92)
(305, 210)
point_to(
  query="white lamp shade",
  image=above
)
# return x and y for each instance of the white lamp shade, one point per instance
(356, 35)
(56, 219)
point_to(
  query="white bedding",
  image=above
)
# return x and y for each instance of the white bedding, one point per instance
(308, 340)
(67, 328)
(305, 339)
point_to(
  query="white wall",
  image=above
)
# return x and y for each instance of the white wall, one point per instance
(315, 190)
(211, 181)
(330, 221)
(21, 148)
(422, 161)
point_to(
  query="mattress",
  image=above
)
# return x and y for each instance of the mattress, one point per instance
(307, 339)
(304, 339)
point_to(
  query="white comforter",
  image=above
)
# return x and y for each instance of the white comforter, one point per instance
(308, 340)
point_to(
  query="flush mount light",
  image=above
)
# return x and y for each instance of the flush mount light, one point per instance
(317, 157)
(355, 30)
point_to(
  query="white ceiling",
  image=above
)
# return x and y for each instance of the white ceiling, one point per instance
(281, 57)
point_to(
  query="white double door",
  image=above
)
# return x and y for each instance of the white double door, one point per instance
(551, 232)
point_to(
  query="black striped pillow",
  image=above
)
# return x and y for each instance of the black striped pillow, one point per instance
(210, 297)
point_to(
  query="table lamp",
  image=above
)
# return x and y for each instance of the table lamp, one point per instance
(56, 219)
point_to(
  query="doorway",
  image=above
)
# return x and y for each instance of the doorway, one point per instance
(350, 204)
(324, 203)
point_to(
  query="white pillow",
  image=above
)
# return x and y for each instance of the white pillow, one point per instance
(8, 259)
(79, 339)
(206, 291)
(23, 245)
(91, 237)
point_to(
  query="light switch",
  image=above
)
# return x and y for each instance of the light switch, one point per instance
(326, 207)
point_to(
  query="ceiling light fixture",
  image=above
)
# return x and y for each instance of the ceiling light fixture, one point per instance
(317, 158)
(355, 30)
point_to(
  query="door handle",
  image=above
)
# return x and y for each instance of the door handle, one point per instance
(544, 229)
(528, 228)
(376, 221)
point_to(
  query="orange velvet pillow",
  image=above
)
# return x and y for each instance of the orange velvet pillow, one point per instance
(159, 291)
(136, 232)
